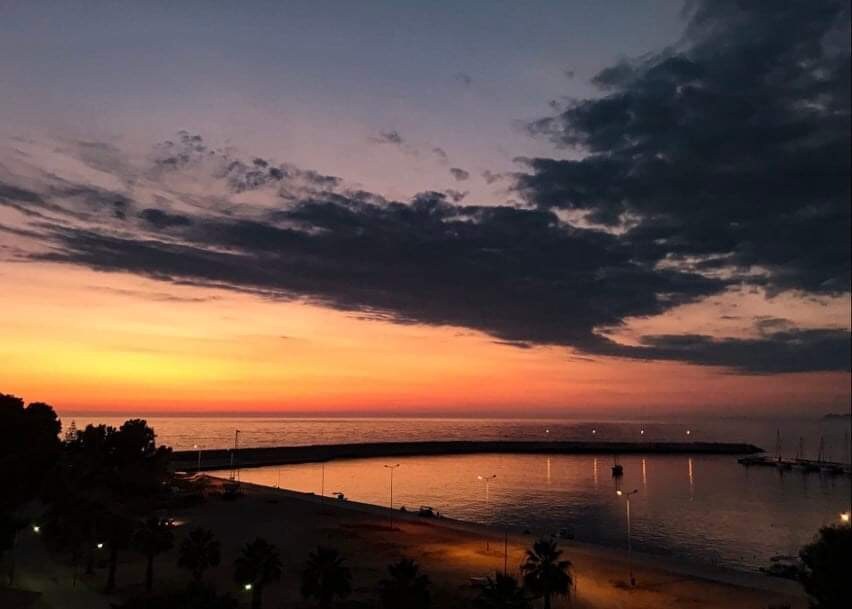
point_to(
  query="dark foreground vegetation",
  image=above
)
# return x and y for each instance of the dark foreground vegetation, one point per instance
(93, 494)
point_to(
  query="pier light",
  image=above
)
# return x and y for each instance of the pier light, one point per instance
(100, 545)
(37, 529)
(844, 517)
(247, 587)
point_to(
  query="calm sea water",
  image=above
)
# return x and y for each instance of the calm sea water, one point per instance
(703, 509)
(184, 433)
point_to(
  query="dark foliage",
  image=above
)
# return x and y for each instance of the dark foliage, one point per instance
(198, 552)
(825, 568)
(501, 592)
(258, 565)
(545, 573)
(152, 537)
(326, 577)
(405, 587)
(196, 597)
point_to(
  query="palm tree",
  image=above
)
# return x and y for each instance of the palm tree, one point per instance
(119, 532)
(198, 552)
(406, 587)
(153, 537)
(544, 573)
(501, 592)
(259, 564)
(326, 576)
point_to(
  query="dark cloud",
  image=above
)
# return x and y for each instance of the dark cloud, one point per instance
(720, 162)
(776, 352)
(490, 177)
(440, 153)
(464, 78)
(519, 275)
(522, 276)
(388, 137)
(459, 174)
(161, 219)
(731, 148)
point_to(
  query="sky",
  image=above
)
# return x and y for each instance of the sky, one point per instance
(408, 208)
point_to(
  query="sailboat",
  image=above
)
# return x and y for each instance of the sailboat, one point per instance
(617, 469)
(806, 464)
(779, 459)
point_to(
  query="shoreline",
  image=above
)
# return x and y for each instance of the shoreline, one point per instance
(753, 580)
(220, 458)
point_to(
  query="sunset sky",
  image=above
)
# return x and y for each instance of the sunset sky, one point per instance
(453, 208)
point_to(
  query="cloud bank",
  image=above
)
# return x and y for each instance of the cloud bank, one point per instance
(719, 163)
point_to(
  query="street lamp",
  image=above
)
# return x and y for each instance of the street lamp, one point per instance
(391, 468)
(629, 544)
(234, 470)
(487, 480)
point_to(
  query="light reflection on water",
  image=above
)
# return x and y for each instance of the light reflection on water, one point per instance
(704, 509)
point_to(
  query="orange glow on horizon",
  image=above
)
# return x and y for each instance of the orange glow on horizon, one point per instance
(88, 341)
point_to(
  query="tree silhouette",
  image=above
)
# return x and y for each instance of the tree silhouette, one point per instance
(258, 565)
(326, 576)
(29, 449)
(406, 587)
(198, 552)
(545, 574)
(501, 592)
(119, 531)
(154, 536)
(825, 568)
(194, 597)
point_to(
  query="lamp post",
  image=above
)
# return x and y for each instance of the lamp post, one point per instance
(629, 543)
(391, 468)
(234, 470)
(487, 480)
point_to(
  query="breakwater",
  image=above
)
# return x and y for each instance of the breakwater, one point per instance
(195, 460)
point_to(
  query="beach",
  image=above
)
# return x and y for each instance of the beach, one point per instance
(370, 537)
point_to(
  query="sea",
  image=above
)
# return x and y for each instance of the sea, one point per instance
(702, 509)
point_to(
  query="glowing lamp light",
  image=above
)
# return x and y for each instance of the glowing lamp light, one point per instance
(642, 432)
(594, 431)
(36, 528)
(844, 517)
(100, 545)
(688, 431)
(247, 587)
(619, 493)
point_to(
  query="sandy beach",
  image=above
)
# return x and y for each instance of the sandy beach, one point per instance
(450, 552)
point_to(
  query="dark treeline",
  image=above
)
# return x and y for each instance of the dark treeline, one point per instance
(98, 492)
